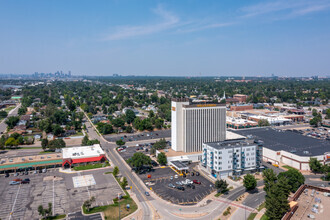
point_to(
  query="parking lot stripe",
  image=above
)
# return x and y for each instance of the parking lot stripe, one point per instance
(53, 197)
(12, 210)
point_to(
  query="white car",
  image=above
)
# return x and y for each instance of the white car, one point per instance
(176, 176)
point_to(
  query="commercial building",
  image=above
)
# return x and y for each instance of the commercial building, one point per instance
(82, 155)
(231, 158)
(241, 107)
(288, 147)
(238, 123)
(241, 98)
(194, 123)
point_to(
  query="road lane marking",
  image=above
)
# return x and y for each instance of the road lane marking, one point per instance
(12, 210)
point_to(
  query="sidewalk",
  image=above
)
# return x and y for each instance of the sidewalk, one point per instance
(260, 214)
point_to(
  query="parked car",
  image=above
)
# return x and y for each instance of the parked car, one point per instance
(16, 174)
(191, 186)
(17, 180)
(180, 188)
(171, 185)
(44, 170)
(188, 181)
(192, 174)
(179, 183)
(196, 181)
(14, 183)
(7, 175)
(269, 162)
(26, 181)
(35, 172)
(171, 178)
(147, 193)
(197, 173)
(26, 172)
(176, 176)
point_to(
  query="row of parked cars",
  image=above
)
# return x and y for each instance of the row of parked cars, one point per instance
(19, 181)
(187, 182)
(27, 172)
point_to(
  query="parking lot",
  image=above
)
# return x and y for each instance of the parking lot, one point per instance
(139, 136)
(57, 188)
(161, 178)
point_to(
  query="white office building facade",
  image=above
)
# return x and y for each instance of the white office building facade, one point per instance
(194, 124)
(231, 158)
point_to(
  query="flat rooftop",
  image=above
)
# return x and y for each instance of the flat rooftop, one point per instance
(230, 144)
(82, 152)
(289, 141)
(308, 202)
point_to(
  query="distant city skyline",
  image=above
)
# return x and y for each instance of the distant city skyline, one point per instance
(166, 38)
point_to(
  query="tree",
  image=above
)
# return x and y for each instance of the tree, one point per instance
(138, 160)
(115, 171)
(159, 123)
(44, 144)
(120, 142)
(45, 213)
(161, 144)
(269, 178)
(316, 120)
(162, 159)
(88, 203)
(295, 179)
(20, 140)
(129, 116)
(315, 165)
(151, 114)
(276, 203)
(124, 183)
(84, 140)
(250, 182)
(56, 144)
(10, 142)
(57, 130)
(12, 121)
(263, 122)
(221, 186)
(129, 129)
(22, 110)
(3, 114)
(118, 122)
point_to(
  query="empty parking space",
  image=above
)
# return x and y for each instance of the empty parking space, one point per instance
(56, 188)
(140, 136)
(189, 196)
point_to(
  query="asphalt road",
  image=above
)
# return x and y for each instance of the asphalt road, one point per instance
(137, 188)
(3, 125)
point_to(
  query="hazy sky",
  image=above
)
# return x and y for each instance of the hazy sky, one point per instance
(173, 37)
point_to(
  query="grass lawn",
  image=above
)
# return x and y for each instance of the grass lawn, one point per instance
(264, 217)
(108, 172)
(263, 205)
(10, 108)
(252, 216)
(112, 212)
(29, 148)
(288, 167)
(218, 194)
(91, 166)
(77, 134)
(56, 217)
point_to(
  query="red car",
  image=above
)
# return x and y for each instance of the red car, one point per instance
(196, 181)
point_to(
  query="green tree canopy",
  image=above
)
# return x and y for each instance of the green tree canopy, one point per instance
(250, 182)
(162, 159)
(138, 160)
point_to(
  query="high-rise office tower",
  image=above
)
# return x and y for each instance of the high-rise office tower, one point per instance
(196, 123)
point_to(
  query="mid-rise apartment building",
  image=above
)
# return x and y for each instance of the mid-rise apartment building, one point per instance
(231, 158)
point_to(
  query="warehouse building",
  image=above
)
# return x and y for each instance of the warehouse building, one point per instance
(231, 158)
(196, 123)
(290, 148)
(82, 155)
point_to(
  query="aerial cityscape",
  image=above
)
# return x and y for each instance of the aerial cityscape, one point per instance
(165, 110)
